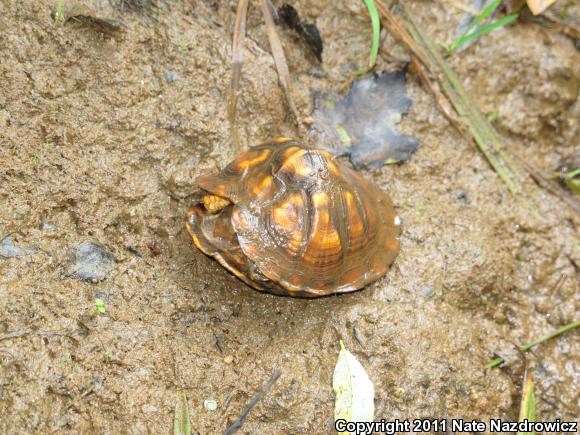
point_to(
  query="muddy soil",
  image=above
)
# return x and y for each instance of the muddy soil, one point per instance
(102, 133)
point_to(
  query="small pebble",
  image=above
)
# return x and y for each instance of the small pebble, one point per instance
(427, 291)
(229, 359)
(210, 405)
(170, 76)
(461, 195)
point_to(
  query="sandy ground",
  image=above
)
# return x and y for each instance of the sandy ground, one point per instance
(101, 137)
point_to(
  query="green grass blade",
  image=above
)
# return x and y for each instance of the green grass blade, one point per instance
(181, 420)
(176, 421)
(100, 304)
(376, 24)
(58, 14)
(483, 30)
(557, 332)
(482, 16)
(498, 361)
(495, 362)
(572, 181)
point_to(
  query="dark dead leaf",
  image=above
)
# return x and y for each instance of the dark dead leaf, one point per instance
(307, 31)
(362, 124)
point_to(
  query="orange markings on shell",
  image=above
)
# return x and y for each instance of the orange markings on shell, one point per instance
(356, 227)
(324, 244)
(286, 220)
(263, 185)
(285, 155)
(333, 168)
(251, 158)
(293, 165)
(307, 163)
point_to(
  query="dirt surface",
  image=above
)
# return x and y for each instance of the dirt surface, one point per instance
(102, 133)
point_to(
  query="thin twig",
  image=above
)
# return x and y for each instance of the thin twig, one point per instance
(237, 424)
(237, 62)
(82, 331)
(15, 334)
(279, 58)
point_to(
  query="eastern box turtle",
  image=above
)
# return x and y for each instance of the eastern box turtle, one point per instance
(290, 220)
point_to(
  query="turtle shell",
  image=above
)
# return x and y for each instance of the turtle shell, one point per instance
(296, 222)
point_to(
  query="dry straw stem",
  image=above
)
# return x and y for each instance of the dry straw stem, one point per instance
(481, 130)
(279, 58)
(445, 85)
(237, 61)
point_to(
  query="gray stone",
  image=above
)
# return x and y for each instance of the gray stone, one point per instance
(92, 262)
(9, 250)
